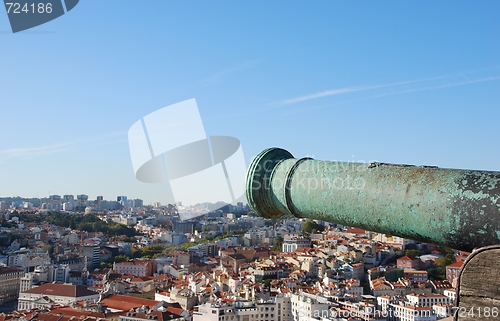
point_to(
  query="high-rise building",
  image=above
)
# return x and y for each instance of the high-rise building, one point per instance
(110, 205)
(138, 203)
(82, 199)
(68, 206)
(93, 255)
(123, 201)
(99, 201)
(184, 227)
(68, 198)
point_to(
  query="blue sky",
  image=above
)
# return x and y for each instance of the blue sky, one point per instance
(399, 82)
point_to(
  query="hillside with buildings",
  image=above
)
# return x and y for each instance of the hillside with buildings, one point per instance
(140, 262)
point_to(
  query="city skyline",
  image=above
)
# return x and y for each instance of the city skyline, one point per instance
(122, 199)
(391, 82)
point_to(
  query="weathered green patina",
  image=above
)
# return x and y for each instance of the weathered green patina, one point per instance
(458, 208)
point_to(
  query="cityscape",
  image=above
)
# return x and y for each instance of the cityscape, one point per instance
(119, 259)
(249, 160)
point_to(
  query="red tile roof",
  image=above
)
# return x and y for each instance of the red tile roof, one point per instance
(355, 230)
(125, 302)
(61, 289)
(457, 264)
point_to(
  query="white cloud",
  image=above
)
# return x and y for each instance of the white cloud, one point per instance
(32, 151)
(325, 93)
(340, 91)
(84, 142)
(454, 84)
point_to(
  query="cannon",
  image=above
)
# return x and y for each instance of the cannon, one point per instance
(451, 207)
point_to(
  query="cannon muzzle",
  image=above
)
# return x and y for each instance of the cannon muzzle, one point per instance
(452, 207)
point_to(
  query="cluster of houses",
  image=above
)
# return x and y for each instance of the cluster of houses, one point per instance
(267, 273)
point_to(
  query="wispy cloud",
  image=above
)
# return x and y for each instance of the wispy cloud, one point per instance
(453, 84)
(32, 151)
(100, 139)
(78, 143)
(467, 81)
(224, 73)
(340, 91)
(325, 93)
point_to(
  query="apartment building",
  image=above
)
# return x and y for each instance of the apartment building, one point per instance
(93, 255)
(283, 308)
(293, 243)
(427, 300)
(9, 283)
(304, 306)
(28, 259)
(136, 267)
(237, 311)
(416, 275)
(407, 263)
(451, 294)
(399, 312)
(453, 270)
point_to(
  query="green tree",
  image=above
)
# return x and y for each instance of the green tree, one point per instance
(88, 223)
(105, 265)
(151, 250)
(413, 253)
(129, 239)
(436, 273)
(136, 253)
(439, 271)
(119, 258)
(278, 244)
(312, 227)
(442, 262)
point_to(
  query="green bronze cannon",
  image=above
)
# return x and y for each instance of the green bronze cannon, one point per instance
(456, 208)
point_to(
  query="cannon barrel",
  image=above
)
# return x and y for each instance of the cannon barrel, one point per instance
(452, 207)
